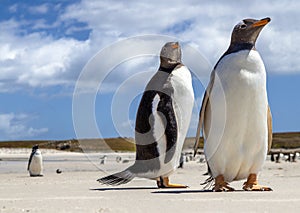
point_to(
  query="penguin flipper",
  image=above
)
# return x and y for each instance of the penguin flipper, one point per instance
(269, 129)
(29, 161)
(165, 106)
(204, 106)
(117, 178)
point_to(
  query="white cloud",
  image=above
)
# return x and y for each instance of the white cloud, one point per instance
(38, 59)
(209, 24)
(40, 9)
(13, 8)
(14, 126)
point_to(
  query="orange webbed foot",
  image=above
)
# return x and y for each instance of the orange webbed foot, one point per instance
(252, 184)
(163, 182)
(221, 185)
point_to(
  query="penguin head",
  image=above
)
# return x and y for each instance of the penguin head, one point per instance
(35, 147)
(247, 31)
(170, 55)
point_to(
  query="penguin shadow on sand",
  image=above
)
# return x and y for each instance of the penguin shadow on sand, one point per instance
(190, 191)
(186, 191)
(133, 188)
(159, 191)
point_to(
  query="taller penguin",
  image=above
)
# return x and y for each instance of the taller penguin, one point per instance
(162, 122)
(235, 113)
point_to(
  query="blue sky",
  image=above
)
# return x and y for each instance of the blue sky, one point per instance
(44, 47)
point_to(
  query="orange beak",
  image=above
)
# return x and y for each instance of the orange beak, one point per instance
(175, 45)
(261, 22)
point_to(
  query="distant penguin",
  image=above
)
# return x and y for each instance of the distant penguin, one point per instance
(289, 157)
(181, 161)
(118, 159)
(35, 163)
(103, 159)
(278, 158)
(162, 122)
(235, 114)
(293, 159)
(296, 156)
(272, 157)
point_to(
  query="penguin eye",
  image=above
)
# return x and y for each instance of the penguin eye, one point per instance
(243, 26)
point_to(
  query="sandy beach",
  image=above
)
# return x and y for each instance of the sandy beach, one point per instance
(76, 188)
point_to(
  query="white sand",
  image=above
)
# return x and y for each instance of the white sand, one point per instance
(76, 189)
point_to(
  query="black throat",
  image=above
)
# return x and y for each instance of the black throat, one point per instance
(169, 69)
(235, 48)
(238, 47)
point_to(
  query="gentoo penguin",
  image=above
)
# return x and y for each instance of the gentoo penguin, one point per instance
(103, 159)
(118, 159)
(35, 163)
(181, 161)
(235, 114)
(162, 122)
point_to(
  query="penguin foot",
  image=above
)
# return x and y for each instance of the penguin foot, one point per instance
(252, 184)
(221, 185)
(163, 182)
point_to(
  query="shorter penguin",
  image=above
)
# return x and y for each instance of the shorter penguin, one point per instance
(35, 163)
(162, 122)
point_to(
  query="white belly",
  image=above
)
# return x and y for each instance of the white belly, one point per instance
(237, 143)
(183, 102)
(36, 165)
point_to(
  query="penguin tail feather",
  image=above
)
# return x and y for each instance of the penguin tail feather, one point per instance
(208, 182)
(117, 178)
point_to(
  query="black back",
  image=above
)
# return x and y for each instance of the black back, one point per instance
(34, 148)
